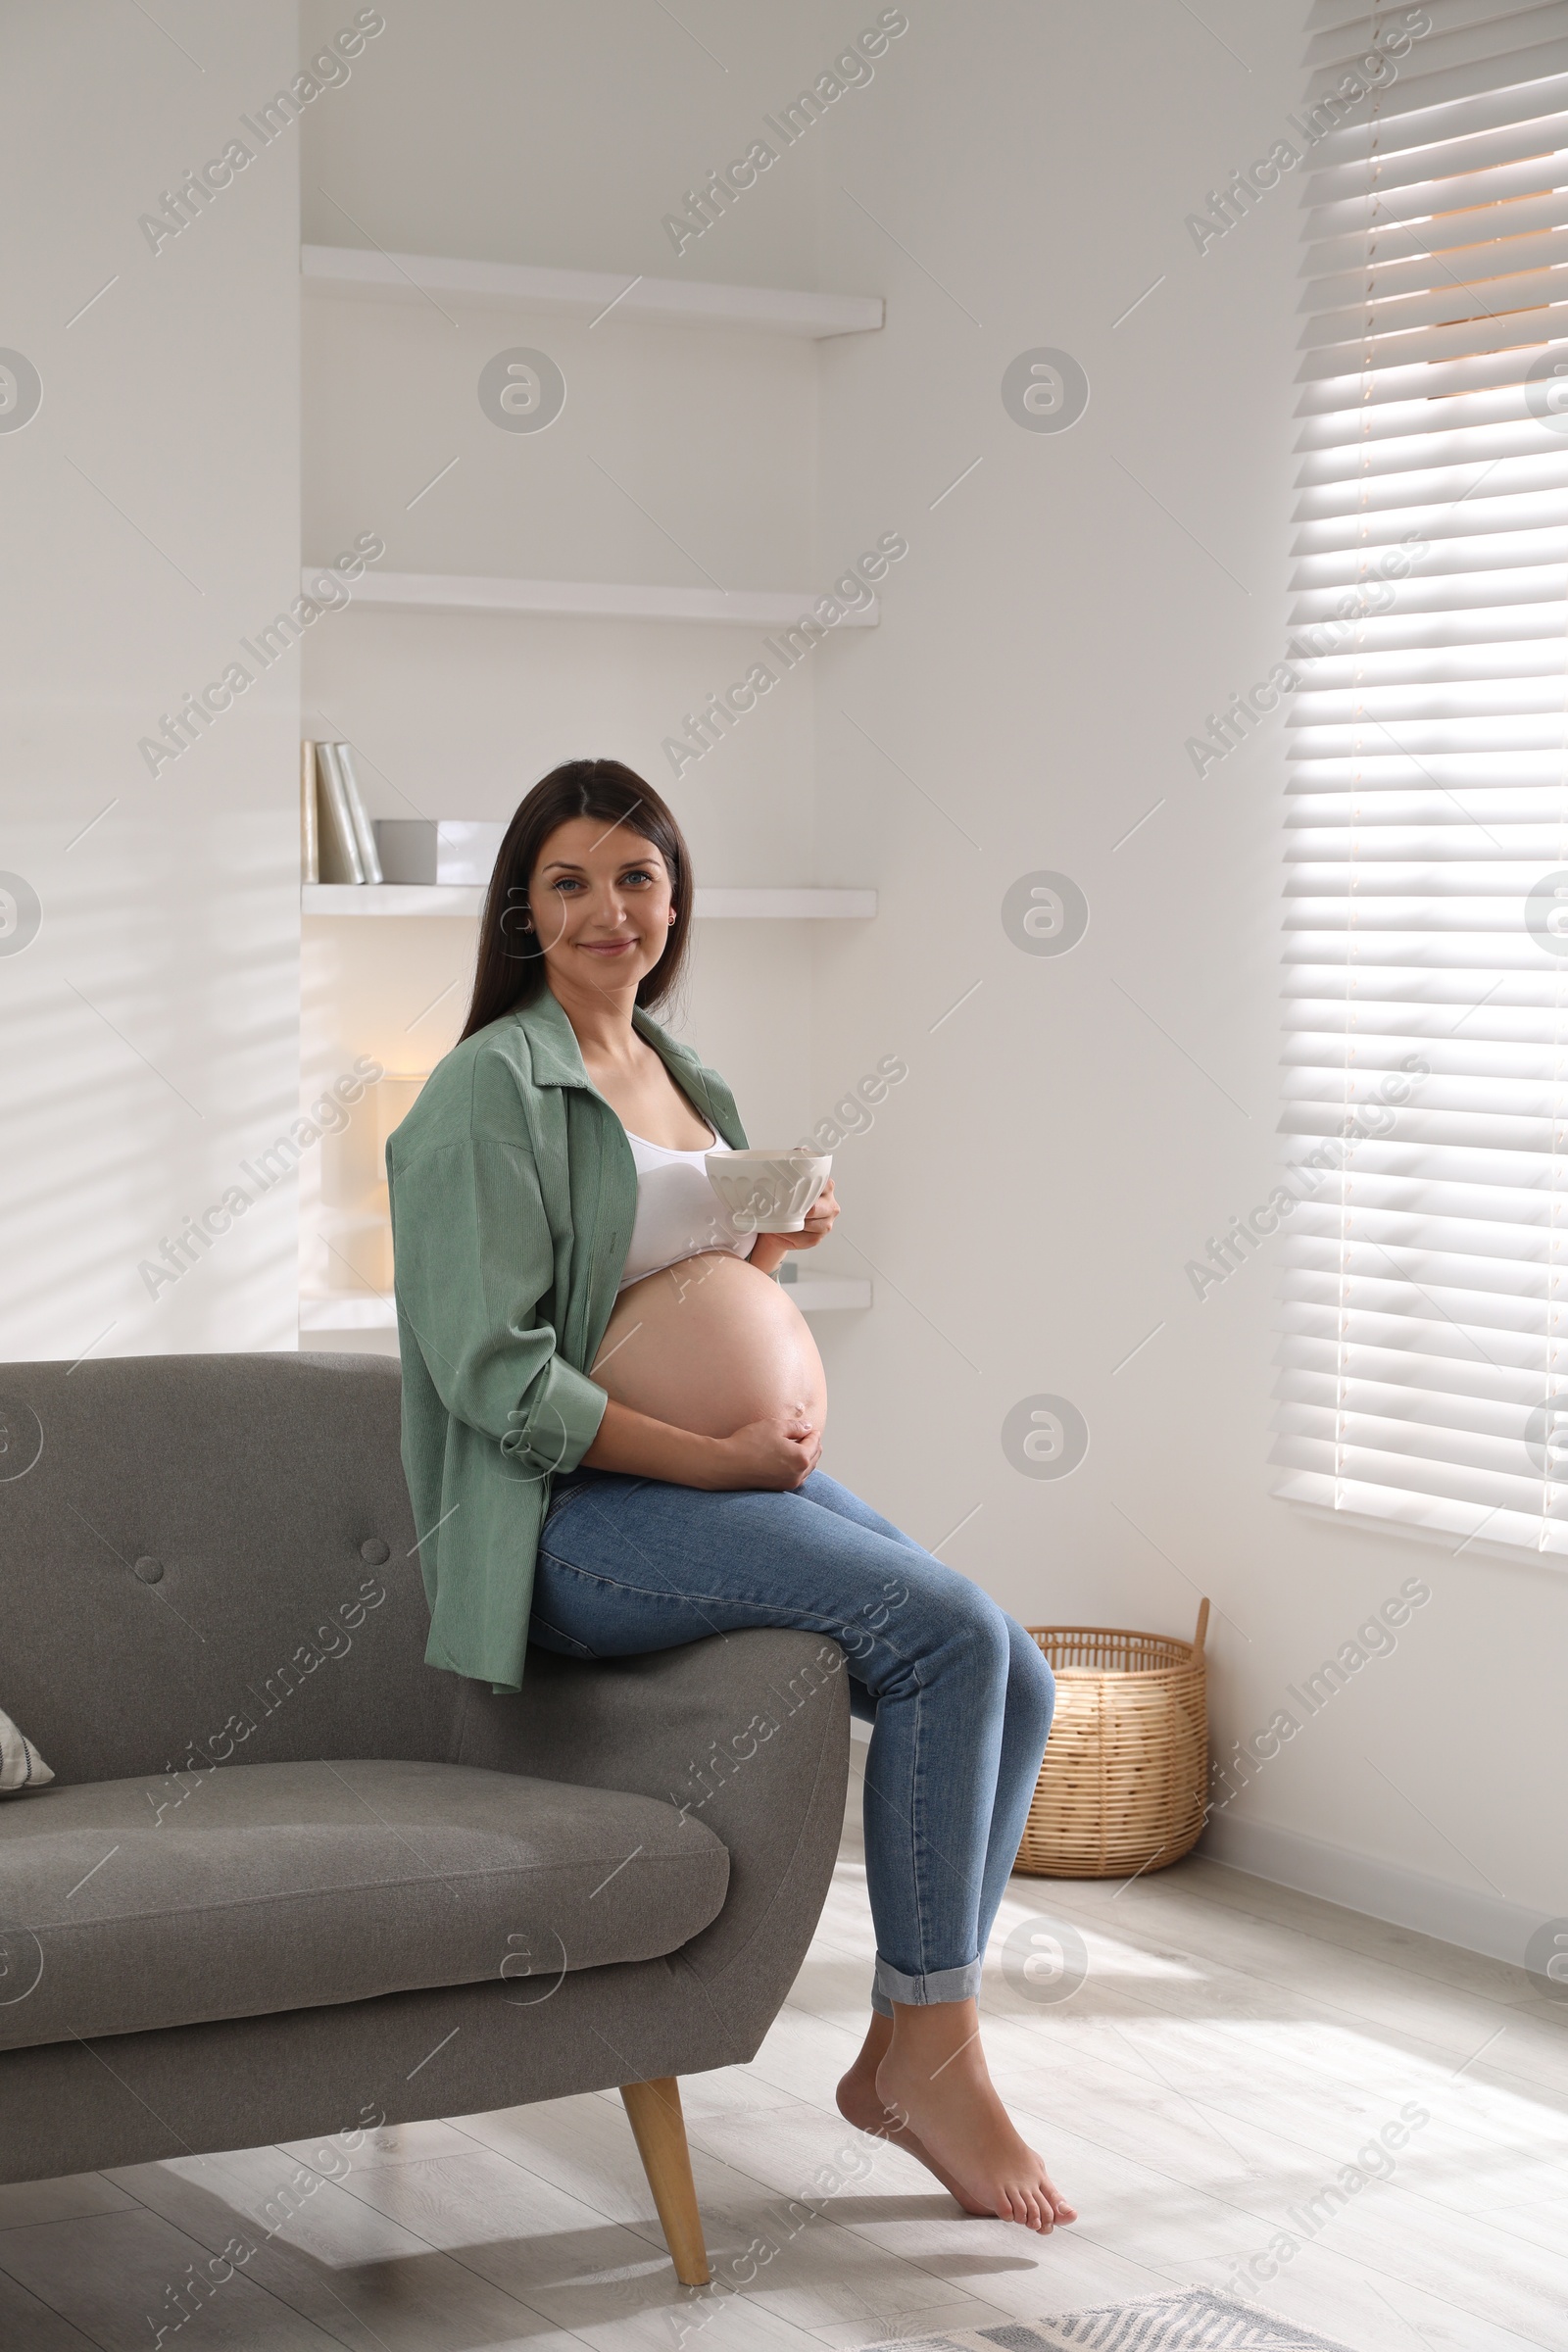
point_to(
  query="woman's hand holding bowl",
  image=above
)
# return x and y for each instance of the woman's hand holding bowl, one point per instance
(768, 1251)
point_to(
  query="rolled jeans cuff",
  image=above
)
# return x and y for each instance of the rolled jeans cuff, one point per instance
(939, 1984)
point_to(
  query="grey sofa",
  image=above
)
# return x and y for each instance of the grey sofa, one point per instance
(291, 1881)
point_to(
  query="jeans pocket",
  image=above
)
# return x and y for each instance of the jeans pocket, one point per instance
(561, 1495)
(610, 1482)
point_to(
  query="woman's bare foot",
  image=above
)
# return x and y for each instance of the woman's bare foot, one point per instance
(935, 2079)
(860, 2103)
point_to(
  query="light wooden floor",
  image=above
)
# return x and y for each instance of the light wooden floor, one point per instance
(1231, 2049)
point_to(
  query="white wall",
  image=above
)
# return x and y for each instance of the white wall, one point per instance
(148, 1033)
(1072, 1135)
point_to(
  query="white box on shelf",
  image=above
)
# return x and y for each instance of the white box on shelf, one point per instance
(439, 849)
(351, 1311)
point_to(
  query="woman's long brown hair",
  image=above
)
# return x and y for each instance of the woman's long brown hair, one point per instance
(510, 970)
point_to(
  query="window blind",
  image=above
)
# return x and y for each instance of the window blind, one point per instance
(1423, 1364)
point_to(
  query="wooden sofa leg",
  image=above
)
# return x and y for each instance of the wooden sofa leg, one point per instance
(659, 2130)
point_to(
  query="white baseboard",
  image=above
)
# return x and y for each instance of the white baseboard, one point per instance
(1476, 1921)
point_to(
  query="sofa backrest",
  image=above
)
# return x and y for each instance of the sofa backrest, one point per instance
(208, 1559)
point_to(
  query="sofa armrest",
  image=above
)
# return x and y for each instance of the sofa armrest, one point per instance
(747, 1733)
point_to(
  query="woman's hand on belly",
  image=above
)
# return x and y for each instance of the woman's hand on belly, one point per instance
(769, 1455)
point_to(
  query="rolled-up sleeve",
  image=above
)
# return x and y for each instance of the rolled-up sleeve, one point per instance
(475, 1273)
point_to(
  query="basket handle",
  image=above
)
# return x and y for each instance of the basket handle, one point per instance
(1203, 1628)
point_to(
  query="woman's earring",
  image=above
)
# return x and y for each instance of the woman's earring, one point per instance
(672, 914)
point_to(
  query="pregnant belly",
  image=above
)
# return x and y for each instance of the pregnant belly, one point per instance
(708, 1346)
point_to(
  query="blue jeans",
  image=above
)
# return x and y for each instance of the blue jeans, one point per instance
(960, 1696)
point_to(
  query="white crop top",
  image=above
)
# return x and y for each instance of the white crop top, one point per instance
(678, 1212)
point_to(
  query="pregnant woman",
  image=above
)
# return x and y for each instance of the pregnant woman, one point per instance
(613, 1416)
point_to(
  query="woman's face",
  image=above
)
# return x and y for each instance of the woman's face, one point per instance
(600, 898)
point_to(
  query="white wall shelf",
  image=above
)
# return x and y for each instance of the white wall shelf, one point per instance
(825, 1294)
(449, 898)
(592, 599)
(816, 1294)
(351, 1312)
(500, 300)
(375, 277)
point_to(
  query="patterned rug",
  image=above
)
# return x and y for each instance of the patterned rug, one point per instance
(1192, 2319)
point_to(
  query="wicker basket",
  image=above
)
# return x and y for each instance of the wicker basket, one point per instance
(1124, 1784)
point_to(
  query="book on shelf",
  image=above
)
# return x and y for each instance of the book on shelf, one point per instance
(337, 840)
(339, 859)
(359, 817)
(310, 832)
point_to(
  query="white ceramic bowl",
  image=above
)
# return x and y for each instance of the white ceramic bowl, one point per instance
(768, 1191)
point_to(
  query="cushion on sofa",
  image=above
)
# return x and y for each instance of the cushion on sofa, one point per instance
(20, 1765)
(250, 1889)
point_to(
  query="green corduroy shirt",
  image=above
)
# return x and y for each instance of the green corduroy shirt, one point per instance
(513, 1194)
